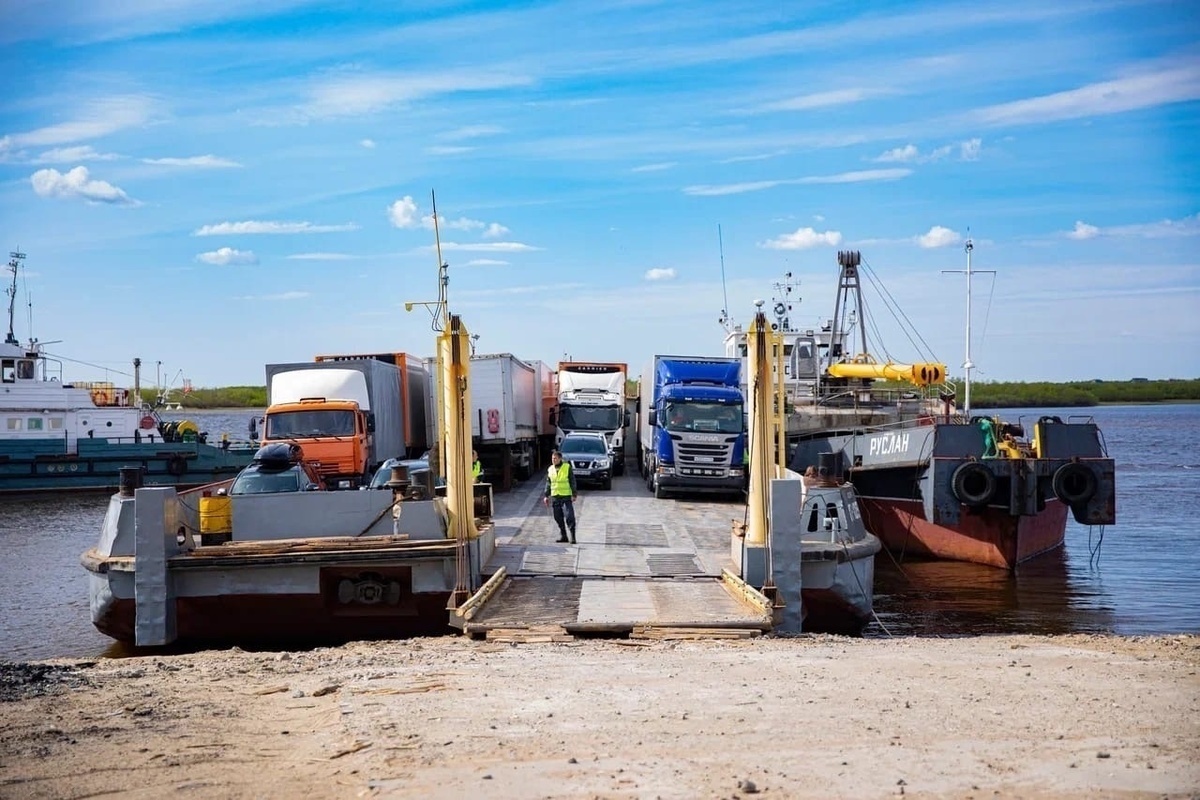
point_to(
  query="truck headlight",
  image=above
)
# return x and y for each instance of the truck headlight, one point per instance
(602, 463)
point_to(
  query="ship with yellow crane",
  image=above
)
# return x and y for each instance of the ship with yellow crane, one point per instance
(933, 481)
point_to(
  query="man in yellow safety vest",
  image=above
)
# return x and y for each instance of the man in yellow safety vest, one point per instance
(561, 492)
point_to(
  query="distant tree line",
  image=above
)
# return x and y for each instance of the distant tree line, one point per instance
(995, 394)
(984, 394)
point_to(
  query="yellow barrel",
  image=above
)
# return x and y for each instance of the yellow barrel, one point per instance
(215, 516)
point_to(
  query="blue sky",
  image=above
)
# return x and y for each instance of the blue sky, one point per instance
(216, 188)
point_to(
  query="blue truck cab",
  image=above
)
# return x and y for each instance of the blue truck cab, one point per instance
(692, 426)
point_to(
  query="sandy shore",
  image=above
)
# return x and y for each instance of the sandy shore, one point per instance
(1010, 716)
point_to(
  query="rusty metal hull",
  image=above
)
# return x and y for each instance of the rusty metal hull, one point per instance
(990, 536)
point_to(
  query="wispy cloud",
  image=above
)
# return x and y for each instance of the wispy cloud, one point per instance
(803, 239)
(368, 143)
(660, 274)
(753, 157)
(204, 162)
(448, 149)
(98, 118)
(77, 183)
(224, 256)
(405, 213)
(659, 167)
(486, 247)
(843, 177)
(266, 227)
(486, 262)
(495, 230)
(322, 257)
(1188, 226)
(1154, 88)
(836, 97)
(968, 150)
(938, 236)
(68, 155)
(342, 95)
(470, 132)
(284, 296)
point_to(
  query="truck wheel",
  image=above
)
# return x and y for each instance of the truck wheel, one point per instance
(659, 491)
(608, 484)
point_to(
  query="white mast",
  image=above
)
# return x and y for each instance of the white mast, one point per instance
(967, 365)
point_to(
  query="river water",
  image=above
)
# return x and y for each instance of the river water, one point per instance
(1141, 576)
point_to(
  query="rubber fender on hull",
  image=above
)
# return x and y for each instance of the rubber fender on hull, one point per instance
(1074, 484)
(973, 484)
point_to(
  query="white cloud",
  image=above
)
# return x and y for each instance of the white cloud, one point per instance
(67, 155)
(350, 95)
(266, 227)
(293, 295)
(487, 247)
(843, 177)
(403, 212)
(495, 230)
(470, 132)
(368, 143)
(486, 262)
(1083, 231)
(665, 165)
(206, 161)
(321, 257)
(1146, 90)
(77, 183)
(900, 154)
(753, 157)
(968, 150)
(660, 274)
(460, 224)
(224, 256)
(803, 239)
(1188, 226)
(938, 237)
(447, 150)
(98, 118)
(836, 97)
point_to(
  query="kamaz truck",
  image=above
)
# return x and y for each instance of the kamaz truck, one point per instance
(591, 397)
(349, 413)
(692, 425)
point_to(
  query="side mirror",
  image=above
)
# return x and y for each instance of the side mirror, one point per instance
(626, 419)
(554, 415)
(653, 418)
(370, 422)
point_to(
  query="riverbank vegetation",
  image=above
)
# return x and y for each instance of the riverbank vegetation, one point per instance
(984, 394)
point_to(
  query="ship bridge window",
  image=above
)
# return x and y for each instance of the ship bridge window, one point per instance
(8, 370)
(14, 423)
(33, 424)
(56, 423)
(25, 369)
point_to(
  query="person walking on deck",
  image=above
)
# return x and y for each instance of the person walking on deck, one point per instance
(561, 493)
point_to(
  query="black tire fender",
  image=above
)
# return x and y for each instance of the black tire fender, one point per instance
(1074, 483)
(973, 484)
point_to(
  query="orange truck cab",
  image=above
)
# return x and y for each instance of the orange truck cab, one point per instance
(349, 414)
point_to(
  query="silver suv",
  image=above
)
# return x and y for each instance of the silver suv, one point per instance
(587, 453)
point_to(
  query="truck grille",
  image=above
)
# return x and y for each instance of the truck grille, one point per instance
(703, 458)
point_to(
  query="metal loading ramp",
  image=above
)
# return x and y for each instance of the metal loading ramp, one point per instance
(557, 608)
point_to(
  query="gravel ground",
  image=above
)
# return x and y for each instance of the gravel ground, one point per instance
(1010, 716)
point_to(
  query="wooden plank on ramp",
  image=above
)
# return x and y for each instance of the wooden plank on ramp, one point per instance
(545, 608)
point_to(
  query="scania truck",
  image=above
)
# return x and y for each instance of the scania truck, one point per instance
(591, 397)
(692, 425)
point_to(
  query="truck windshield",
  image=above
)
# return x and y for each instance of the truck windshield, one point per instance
(589, 418)
(307, 424)
(707, 417)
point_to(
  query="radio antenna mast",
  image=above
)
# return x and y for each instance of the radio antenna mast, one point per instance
(443, 269)
(14, 264)
(724, 291)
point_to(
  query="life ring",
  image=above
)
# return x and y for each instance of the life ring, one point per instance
(1074, 484)
(973, 484)
(147, 423)
(176, 465)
